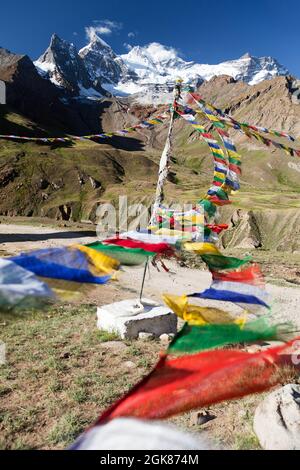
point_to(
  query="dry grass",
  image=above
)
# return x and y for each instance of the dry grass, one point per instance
(59, 376)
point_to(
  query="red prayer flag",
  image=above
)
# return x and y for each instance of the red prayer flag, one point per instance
(217, 228)
(235, 168)
(161, 248)
(219, 202)
(182, 384)
(251, 275)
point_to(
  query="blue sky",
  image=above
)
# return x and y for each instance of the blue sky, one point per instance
(203, 31)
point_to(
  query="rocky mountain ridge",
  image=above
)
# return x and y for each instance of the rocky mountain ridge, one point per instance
(146, 72)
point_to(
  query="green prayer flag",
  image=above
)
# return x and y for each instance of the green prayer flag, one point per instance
(193, 339)
(208, 207)
(220, 262)
(126, 256)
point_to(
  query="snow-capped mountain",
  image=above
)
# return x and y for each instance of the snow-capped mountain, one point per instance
(147, 72)
(158, 64)
(103, 64)
(62, 64)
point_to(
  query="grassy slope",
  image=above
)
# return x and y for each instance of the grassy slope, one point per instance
(270, 187)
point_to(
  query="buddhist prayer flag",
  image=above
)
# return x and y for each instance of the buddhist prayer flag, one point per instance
(192, 338)
(126, 256)
(194, 381)
(234, 292)
(196, 315)
(220, 262)
(69, 264)
(250, 275)
(20, 288)
(156, 248)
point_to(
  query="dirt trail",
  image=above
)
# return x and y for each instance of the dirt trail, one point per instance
(15, 238)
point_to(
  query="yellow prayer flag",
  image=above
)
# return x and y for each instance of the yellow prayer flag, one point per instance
(102, 263)
(202, 248)
(195, 315)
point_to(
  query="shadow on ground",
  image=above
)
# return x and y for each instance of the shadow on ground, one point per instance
(35, 237)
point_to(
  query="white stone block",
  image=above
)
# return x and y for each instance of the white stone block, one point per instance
(118, 318)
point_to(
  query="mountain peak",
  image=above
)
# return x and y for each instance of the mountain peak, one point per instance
(246, 56)
(63, 66)
(57, 42)
(154, 52)
(95, 39)
(102, 63)
(55, 38)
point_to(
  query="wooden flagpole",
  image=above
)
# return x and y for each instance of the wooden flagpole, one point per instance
(165, 158)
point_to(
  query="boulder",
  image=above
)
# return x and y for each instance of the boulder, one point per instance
(199, 418)
(277, 419)
(129, 318)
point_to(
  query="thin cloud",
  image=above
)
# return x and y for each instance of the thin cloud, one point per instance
(102, 27)
(103, 30)
(127, 46)
(131, 34)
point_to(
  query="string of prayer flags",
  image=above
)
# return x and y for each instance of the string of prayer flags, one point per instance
(220, 163)
(234, 159)
(149, 124)
(252, 127)
(202, 374)
(250, 130)
(186, 225)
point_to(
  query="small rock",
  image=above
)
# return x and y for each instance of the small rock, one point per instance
(114, 345)
(130, 365)
(95, 184)
(65, 355)
(201, 417)
(43, 183)
(254, 348)
(242, 413)
(164, 338)
(146, 336)
(277, 419)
